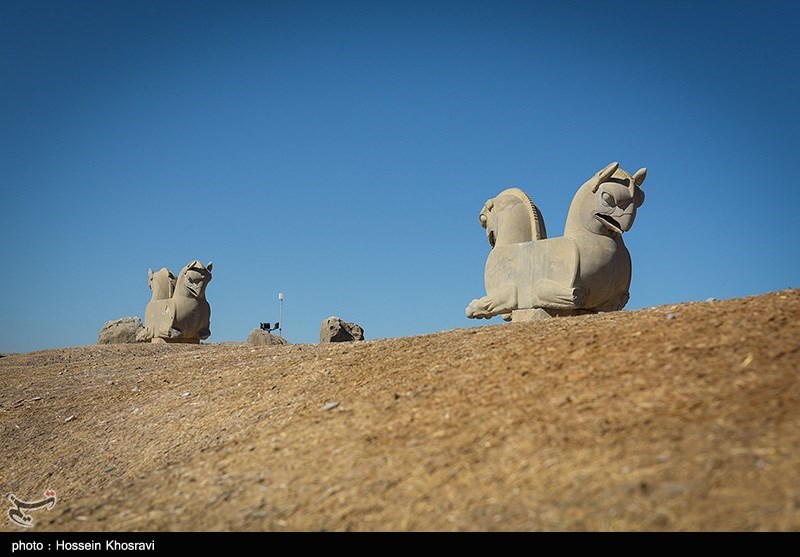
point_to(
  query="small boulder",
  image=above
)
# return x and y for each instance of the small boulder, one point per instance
(120, 331)
(259, 337)
(335, 330)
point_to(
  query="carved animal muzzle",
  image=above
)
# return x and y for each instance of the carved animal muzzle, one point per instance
(617, 200)
(196, 279)
(616, 223)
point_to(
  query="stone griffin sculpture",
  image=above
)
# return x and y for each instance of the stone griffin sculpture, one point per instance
(178, 310)
(588, 270)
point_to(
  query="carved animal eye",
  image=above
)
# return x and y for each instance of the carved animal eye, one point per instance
(608, 199)
(483, 219)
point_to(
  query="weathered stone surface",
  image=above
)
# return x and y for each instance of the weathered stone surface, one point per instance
(258, 337)
(120, 331)
(178, 310)
(535, 314)
(335, 330)
(587, 269)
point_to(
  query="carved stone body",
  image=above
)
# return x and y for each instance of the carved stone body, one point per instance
(178, 310)
(587, 270)
(162, 284)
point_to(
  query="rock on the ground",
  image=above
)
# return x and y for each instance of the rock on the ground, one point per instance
(258, 337)
(120, 331)
(335, 330)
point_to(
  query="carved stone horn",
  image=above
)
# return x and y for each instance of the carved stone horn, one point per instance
(210, 264)
(639, 177)
(603, 176)
(637, 180)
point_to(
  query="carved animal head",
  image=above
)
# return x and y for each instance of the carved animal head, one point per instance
(193, 279)
(511, 218)
(606, 203)
(161, 283)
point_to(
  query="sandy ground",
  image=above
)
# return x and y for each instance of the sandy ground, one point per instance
(683, 417)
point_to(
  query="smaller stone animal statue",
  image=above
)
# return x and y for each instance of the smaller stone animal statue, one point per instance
(178, 310)
(588, 270)
(162, 284)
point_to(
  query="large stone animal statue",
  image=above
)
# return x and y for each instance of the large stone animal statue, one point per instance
(178, 310)
(588, 270)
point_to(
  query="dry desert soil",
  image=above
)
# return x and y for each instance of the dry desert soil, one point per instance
(680, 417)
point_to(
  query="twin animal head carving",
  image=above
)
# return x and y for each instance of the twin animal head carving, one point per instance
(587, 270)
(178, 310)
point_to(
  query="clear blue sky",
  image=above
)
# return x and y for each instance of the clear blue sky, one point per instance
(341, 151)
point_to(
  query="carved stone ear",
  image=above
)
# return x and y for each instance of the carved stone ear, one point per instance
(149, 273)
(639, 177)
(603, 176)
(210, 265)
(638, 197)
